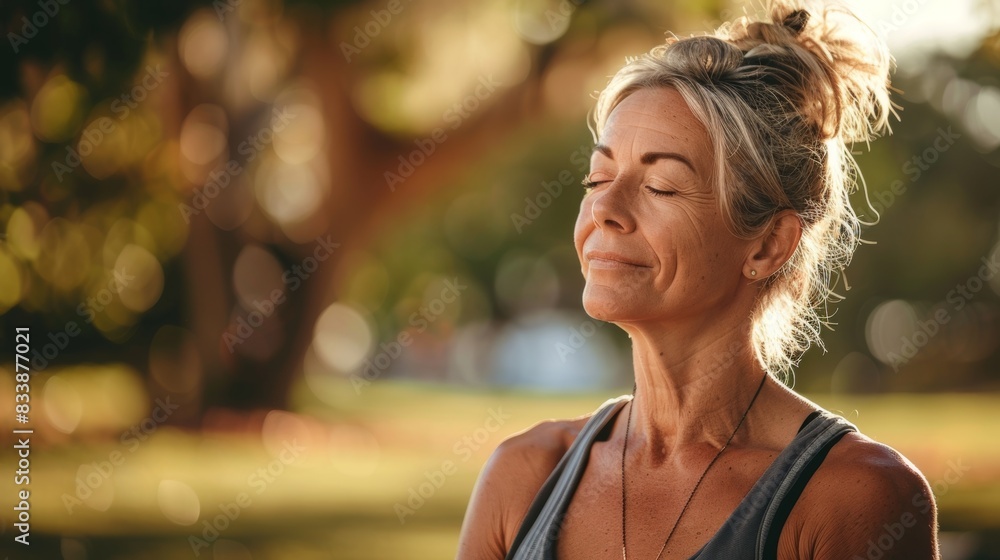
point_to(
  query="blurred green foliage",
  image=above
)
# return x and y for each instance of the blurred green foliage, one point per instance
(98, 244)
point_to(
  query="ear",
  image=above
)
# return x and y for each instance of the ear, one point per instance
(775, 246)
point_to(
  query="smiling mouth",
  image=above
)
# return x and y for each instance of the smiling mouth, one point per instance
(605, 260)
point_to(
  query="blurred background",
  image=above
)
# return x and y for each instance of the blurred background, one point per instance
(292, 270)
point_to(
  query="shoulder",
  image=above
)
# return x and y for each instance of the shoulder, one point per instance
(508, 483)
(522, 463)
(866, 498)
(539, 447)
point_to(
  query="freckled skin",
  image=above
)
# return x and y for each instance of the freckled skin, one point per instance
(685, 301)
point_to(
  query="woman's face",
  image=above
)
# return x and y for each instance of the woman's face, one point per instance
(651, 241)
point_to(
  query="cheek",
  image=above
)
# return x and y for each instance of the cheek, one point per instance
(714, 255)
(686, 256)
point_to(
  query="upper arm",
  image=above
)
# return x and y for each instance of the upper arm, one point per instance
(871, 503)
(505, 489)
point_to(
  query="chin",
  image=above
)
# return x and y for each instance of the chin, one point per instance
(608, 309)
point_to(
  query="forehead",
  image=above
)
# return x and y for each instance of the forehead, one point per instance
(657, 119)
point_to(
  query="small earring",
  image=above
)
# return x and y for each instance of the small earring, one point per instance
(753, 273)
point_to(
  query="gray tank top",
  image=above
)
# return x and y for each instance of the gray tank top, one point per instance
(750, 533)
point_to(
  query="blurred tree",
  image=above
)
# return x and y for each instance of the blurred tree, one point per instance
(396, 119)
(380, 105)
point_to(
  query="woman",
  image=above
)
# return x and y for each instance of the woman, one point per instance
(717, 209)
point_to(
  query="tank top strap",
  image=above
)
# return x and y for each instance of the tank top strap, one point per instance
(820, 434)
(751, 532)
(539, 530)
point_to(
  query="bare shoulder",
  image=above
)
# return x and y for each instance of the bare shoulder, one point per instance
(539, 447)
(522, 462)
(865, 499)
(508, 483)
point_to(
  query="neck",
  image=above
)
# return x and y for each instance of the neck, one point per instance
(685, 396)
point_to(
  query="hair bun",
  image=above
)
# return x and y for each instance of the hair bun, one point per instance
(825, 60)
(781, 98)
(796, 21)
(791, 26)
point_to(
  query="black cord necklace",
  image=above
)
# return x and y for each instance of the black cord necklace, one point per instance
(628, 424)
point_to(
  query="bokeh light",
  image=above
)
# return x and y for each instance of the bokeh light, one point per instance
(342, 337)
(57, 110)
(169, 175)
(203, 44)
(178, 502)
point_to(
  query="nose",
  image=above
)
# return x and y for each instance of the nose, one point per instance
(611, 209)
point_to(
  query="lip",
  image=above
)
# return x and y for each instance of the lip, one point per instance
(612, 259)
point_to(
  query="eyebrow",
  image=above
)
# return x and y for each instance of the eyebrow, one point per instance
(649, 158)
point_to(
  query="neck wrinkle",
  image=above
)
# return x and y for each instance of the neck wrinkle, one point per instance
(693, 401)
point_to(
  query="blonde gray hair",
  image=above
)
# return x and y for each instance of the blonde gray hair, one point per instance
(783, 100)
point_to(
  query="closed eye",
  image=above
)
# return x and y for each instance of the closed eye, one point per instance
(588, 185)
(656, 192)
